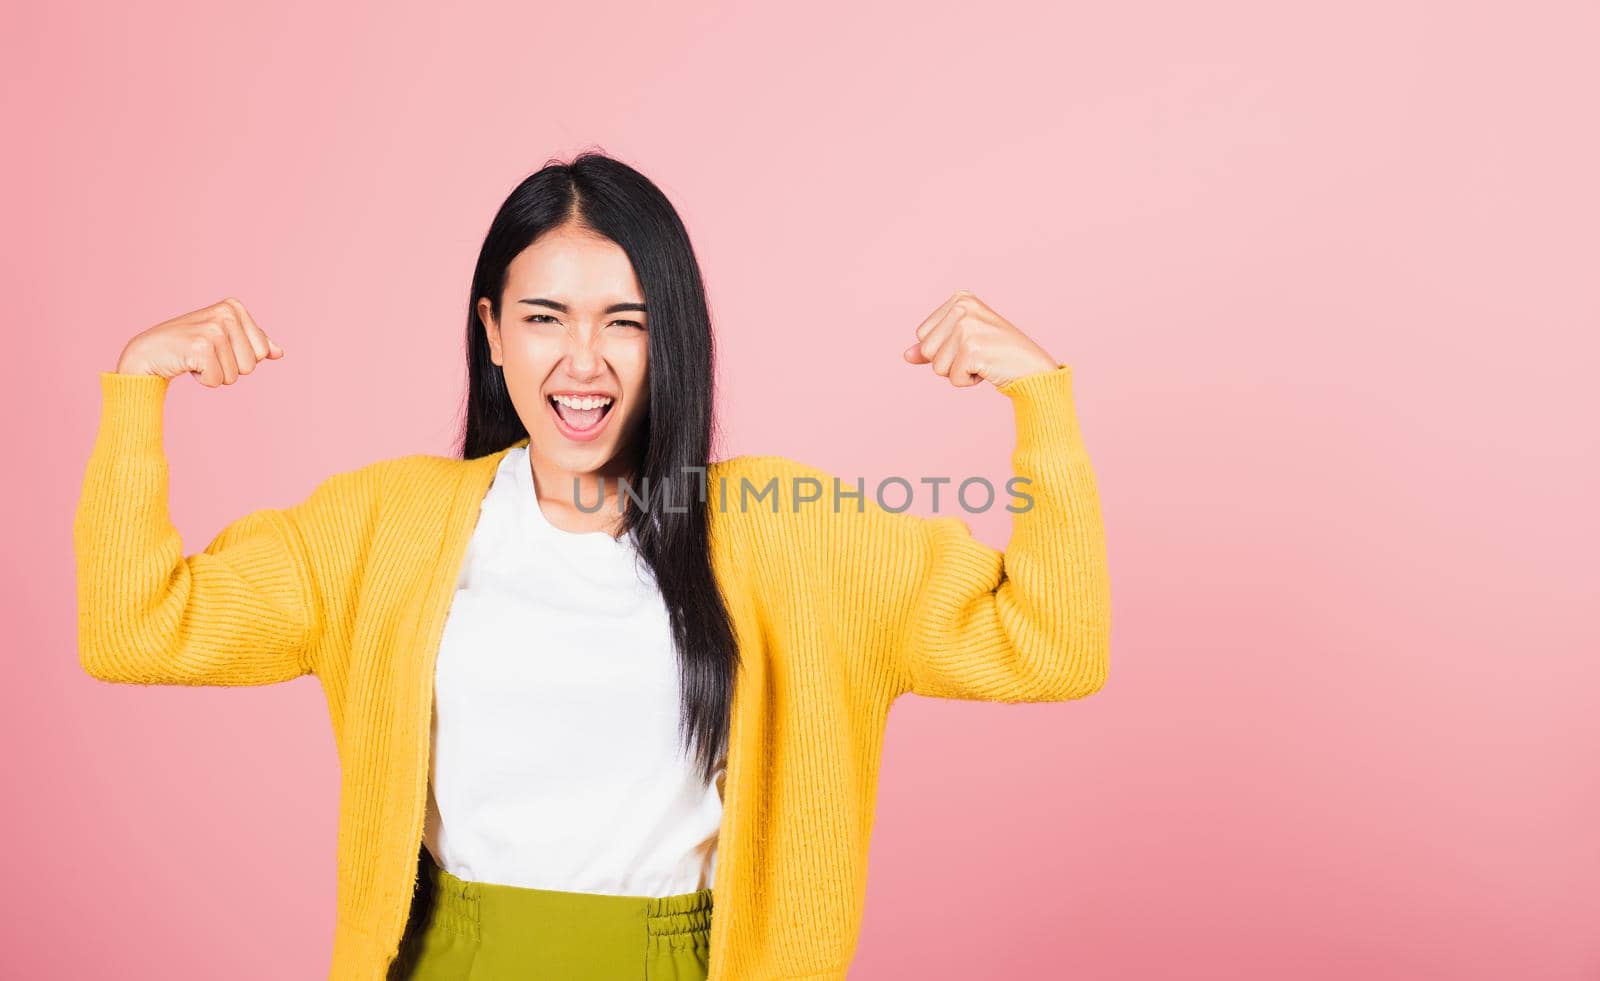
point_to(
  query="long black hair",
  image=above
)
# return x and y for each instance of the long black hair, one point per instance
(605, 196)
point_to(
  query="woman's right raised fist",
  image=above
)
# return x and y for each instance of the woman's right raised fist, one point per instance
(216, 344)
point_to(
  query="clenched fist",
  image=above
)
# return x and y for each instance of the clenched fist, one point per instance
(216, 344)
(967, 342)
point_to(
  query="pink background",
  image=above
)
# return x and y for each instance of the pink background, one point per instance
(1327, 281)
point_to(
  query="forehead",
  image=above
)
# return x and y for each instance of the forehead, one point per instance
(573, 267)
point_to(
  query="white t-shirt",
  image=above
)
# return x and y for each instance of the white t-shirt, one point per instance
(556, 758)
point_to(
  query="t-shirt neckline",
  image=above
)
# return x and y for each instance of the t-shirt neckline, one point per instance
(528, 503)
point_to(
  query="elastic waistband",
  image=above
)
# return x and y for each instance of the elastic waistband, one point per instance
(465, 906)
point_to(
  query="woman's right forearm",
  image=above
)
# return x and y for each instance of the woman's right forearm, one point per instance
(230, 615)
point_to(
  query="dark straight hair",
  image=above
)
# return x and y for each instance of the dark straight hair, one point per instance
(607, 197)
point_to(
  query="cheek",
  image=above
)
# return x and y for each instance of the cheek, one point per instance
(530, 348)
(633, 364)
(524, 387)
(526, 363)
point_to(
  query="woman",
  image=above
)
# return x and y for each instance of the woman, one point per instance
(564, 728)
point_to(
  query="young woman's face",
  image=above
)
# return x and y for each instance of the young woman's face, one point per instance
(572, 324)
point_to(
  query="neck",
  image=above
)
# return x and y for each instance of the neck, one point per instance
(561, 491)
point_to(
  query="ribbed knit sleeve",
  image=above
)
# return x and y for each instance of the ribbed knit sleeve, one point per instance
(244, 611)
(951, 617)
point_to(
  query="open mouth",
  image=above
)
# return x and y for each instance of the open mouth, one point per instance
(581, 414)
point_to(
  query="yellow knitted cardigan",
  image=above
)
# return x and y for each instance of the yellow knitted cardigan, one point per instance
(836, 614)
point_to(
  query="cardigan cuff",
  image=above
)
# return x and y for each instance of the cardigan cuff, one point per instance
(131, 411)
(1045, 413)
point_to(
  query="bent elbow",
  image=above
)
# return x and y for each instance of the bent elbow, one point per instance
(97, 659)
(96, 665)
(108, 654)
(1068, 688)
(1089, 685)
(1082, 672)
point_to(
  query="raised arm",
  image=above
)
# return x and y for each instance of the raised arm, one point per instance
(951, 617)
(247, 610)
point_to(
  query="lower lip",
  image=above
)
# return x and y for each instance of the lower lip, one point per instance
(580, 435)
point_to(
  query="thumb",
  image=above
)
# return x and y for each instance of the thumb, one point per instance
(913, 354)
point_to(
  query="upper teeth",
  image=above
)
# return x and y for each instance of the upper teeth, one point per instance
(583, 402)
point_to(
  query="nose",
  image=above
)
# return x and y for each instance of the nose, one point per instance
(583, 362)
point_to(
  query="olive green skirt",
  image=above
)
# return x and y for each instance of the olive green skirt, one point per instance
(478, 931)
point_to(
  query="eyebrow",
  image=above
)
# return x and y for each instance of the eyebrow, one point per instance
(613, 308)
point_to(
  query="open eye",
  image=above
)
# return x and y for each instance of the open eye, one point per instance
(539, 318)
